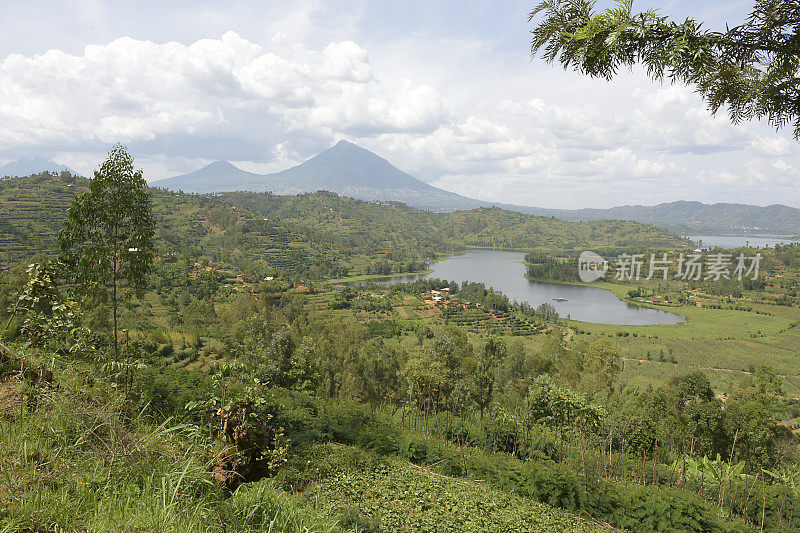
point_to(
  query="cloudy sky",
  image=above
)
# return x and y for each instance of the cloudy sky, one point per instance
(445, 90)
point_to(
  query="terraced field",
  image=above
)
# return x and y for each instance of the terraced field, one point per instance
(31, 211)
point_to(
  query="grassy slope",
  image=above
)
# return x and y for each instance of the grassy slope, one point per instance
(75, 463)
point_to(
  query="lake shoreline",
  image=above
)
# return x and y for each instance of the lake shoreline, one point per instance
(606, 286)
(504, 271)
(733, 241)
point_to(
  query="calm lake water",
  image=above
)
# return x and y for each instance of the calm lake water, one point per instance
(505, 272)
(737, 241)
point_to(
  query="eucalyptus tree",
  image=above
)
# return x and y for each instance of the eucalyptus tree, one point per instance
(752, 69)
(490, 357)
(107, 237)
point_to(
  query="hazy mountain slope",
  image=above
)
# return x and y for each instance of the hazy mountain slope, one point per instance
(218, 176)
(350, 170)
(345, 169)
(27, 167)
(348, 165)
(697, 217)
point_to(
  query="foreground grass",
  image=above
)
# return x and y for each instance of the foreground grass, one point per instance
(73, 459)
(77, 463)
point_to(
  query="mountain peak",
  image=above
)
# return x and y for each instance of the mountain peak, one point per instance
(346, 147)
(216, 176)
(221, 165)
(345, 168)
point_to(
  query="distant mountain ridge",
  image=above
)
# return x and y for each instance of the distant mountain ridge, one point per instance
(28, 167)
(689, 217)
(345, 168)
(350, 170)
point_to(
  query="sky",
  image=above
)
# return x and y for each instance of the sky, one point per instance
(446, 91)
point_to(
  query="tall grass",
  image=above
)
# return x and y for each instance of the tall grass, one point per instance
(79, 462)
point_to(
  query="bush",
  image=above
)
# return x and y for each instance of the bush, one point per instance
(165, 391)
(662, 509)
(308, 420)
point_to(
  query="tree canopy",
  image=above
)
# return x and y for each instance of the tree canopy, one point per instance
(109, 230)
(752, 69)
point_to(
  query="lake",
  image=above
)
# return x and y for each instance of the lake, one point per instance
(737, 241)
(504, 271)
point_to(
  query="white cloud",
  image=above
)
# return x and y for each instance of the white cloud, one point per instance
(623, 163)
(140, 91)
(347, 61)
(773, 146)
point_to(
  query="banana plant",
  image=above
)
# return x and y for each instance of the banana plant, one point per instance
(789, 477)
(717, 472)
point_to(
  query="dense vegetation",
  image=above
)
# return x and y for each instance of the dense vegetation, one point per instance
(548, 426)
(243, 403)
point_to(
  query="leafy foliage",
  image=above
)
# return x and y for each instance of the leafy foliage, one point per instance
(391, 495)
(550, 404)
(108, 232)
(751, 68)
(43, 315)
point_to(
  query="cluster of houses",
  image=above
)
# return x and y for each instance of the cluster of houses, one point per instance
(434, 297)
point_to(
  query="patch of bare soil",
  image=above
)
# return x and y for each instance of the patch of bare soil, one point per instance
(11, 396)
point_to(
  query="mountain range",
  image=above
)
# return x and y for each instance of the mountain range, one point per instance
(698, 218)
(345, 168)
(350, 170)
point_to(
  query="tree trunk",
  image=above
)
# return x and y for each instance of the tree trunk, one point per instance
(114, 282)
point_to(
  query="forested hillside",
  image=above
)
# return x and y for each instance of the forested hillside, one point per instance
(313, 235)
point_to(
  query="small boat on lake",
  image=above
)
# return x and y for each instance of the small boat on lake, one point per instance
(560, 299)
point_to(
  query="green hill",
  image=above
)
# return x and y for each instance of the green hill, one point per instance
(313, 235)
(32, 209)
